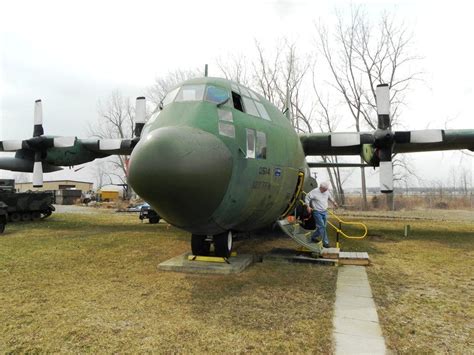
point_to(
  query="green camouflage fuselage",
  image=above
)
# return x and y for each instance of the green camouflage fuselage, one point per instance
(200, 178)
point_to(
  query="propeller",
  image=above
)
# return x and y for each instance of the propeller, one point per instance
(140, 113)
(115, 145)
(39, 144)
(384, 139)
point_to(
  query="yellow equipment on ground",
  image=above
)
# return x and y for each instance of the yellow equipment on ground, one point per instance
(341, 232)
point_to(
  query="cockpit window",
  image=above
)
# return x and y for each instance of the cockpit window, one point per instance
(216, 94)
(190, 93)
(170, 97)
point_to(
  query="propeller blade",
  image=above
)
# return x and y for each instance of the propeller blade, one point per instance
(343, 139)
(140, 111)
(12, 145)
(426, 136)
(64, 142)
(38, 119)
(386, 176)
(110, 144)
(383, 106)
(38, 171)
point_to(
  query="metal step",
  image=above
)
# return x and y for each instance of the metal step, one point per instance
(300, 235)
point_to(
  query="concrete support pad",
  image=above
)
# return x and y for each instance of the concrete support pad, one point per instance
(182, 264)
(356, 324)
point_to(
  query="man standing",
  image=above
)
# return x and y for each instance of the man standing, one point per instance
(317, 202)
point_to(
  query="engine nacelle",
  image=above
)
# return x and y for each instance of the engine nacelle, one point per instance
(369, 154)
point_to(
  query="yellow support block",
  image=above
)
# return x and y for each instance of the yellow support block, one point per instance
(212, 259)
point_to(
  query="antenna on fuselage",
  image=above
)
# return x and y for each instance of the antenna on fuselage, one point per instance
(288, 105)
(205, 70)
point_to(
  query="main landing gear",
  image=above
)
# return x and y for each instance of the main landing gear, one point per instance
(201, 244)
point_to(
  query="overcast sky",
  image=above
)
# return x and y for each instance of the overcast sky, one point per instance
(72, 54)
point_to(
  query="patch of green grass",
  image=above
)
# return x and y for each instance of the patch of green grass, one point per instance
(423, 284)
(90, 283)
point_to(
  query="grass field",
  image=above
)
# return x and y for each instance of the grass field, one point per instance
(89, 283)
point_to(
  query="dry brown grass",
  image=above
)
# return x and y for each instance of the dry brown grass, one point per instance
(89, 283)
(423, 285)
(411, 202)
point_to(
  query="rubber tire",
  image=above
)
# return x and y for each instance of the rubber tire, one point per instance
(199, 245)
(2, 227)
(15, 217)
(36, 216)
(25, 217)
(154, 220)
(223, 244)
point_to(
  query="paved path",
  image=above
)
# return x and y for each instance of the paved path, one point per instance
(356, 324)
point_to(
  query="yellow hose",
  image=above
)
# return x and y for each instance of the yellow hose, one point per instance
(343, 222)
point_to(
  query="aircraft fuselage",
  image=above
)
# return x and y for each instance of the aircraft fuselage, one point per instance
(209, 168)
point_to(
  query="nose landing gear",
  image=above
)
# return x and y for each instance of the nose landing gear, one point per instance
(201, 244)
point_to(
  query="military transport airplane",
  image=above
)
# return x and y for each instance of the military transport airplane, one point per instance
(217, 158)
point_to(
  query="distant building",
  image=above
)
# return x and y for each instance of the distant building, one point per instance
(56, 186)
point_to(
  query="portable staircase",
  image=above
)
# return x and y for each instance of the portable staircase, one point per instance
(291, 226)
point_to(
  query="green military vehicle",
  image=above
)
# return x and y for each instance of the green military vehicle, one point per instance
(25, 206)
(3, 216)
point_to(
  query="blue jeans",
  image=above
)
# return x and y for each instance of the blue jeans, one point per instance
(321, 221)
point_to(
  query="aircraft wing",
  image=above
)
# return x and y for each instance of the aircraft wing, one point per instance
(42, 153)
(449, 140)
(378, 148)
(351, 143)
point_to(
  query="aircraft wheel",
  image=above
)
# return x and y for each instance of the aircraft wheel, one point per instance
(223, 244)
(35, 216)
(26, 217)
(15, 217)
(199, 245)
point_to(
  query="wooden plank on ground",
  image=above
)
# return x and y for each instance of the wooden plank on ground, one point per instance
(354, 258)
(330, 253)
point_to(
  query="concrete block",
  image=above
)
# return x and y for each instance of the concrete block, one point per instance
(363, 328)
(182, 264)
(352, 344)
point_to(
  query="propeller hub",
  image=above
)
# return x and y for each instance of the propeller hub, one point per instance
(383, 138)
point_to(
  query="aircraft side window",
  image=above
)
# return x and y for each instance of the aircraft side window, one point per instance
(235, 88)
(226, 129)
(225, 115)
(261, 145)
(254, 95)
(237, 99)
(190, 93)
(170, 97)
(216, 94)
(262, 111)
(250, 107)
(250, 143)
(244, 91)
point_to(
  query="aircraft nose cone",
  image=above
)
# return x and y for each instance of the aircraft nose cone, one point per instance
(182, 172)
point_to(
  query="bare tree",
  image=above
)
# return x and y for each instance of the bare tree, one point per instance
(360, 57)
(235, 67)
(163, 84)
(327, 122)
(278, 75)
(281, 75)
(115, 121)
